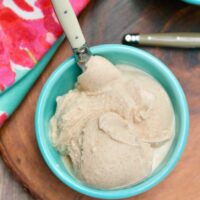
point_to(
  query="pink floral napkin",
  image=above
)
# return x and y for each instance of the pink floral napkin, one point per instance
(28, 28)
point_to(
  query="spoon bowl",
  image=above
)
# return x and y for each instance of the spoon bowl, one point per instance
(64, 78)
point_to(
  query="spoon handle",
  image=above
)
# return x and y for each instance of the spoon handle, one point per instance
(177, 40)
(69, 22)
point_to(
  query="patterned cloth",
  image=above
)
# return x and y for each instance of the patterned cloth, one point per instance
(28, 28)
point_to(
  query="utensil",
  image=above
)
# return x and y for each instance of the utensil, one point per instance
(177, 40)
(64, 78)
(71, 27)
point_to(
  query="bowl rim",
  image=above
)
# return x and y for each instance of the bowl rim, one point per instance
(146, 184)
(195, 2)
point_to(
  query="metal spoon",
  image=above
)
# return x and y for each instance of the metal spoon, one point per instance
(71, 27)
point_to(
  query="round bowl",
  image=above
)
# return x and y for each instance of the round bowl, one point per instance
(195, 2)
(64, 78)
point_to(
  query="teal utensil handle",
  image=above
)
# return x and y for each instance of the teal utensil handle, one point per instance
(177, 40)
(11, 99)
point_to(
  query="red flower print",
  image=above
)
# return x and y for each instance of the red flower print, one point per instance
(27, 30)
(3, 117)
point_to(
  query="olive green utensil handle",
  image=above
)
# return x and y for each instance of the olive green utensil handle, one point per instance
(177, 40)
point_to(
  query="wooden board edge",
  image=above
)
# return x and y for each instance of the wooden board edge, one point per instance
(16, 175)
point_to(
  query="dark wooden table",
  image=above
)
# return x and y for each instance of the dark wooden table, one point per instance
(105, 22)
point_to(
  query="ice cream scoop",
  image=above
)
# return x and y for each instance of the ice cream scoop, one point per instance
(108, 123)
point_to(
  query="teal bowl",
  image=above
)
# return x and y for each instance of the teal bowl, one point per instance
(195, 2)
(64, 78)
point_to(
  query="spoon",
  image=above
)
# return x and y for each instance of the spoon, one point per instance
(176, 40)
(71, 27)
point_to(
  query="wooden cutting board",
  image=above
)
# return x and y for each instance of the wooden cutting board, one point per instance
(106, 22)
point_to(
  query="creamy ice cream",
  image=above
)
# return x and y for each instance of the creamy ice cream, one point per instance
(112, 125)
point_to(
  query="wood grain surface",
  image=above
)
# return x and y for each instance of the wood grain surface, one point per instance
(105, 22)
(10, 189)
